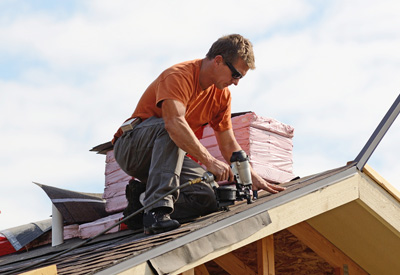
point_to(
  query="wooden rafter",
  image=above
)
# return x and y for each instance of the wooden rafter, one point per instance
(201, 270)
(266, 256)
(188, 272)
(325, 249)
(233, 265)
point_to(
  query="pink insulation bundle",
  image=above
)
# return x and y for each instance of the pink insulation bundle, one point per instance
(71, 231)
(91, 229)
(267, 142)
(115, 183)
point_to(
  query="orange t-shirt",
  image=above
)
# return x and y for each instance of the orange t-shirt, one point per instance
(181, 82)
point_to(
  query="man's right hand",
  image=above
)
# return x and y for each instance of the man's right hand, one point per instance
(220, 170)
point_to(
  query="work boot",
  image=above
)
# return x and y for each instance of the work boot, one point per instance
(158, 221)
(132, 193)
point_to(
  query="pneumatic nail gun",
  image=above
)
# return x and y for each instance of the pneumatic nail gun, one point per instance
(240, 189)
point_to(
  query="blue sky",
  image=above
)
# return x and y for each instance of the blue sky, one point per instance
(72, 71)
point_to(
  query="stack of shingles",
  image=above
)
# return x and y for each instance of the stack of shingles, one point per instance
(267, 142)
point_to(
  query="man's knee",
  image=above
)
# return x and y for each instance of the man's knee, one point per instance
(198, 200)
(205, 199)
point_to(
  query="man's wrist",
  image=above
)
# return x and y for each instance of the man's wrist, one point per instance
(208, 160)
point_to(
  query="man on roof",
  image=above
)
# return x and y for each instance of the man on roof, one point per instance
(177, 103)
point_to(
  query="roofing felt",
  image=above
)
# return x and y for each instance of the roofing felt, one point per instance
(71, 203)
(112, 252)
(22, 235)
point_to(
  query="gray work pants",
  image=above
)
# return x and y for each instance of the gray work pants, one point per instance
(148, 154)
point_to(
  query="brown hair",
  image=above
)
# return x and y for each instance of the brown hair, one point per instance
(231, 47)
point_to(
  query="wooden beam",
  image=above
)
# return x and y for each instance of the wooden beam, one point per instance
(188, 272)
(325, 249)
(338, 271)
(233, 265)
(266, 256)
(201, 270)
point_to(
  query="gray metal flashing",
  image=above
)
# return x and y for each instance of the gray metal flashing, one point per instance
(378, 134)
(248, 213)
(77, 200)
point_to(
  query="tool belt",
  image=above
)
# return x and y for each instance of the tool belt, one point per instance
(130, 124)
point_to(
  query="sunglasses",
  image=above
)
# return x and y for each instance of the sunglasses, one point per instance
(235, 73)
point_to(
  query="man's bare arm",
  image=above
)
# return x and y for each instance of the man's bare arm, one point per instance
(173, 113)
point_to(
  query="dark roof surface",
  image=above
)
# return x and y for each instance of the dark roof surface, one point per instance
(112, 250)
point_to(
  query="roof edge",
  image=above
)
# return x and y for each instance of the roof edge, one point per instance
(375, 176)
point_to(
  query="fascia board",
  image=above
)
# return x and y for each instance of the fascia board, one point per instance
(380, 203)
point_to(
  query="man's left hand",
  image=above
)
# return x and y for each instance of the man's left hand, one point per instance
(261, 184)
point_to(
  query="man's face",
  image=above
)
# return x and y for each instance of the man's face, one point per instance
(228, 75)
